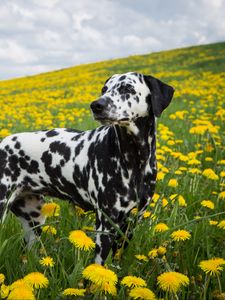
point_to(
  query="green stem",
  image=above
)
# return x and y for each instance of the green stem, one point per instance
(207, 279)
(219, 283)
(176, 297)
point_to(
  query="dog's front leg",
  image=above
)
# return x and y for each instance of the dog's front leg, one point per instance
(104, 238)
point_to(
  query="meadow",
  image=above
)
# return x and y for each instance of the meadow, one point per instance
(178, 247)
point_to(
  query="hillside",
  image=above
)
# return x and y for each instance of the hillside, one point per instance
(61, 98)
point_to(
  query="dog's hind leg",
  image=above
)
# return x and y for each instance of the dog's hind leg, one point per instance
(28, 209)
(7, 195)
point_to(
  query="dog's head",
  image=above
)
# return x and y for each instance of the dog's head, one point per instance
(126, 97)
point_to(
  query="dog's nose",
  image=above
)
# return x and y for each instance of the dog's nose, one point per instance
(98, 106)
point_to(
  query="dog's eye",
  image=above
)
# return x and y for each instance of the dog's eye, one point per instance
(125, 89)
(104, 89)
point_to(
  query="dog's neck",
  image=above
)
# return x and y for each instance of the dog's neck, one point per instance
(139, 136)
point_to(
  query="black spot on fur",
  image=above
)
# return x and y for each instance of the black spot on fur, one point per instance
(34, 214)
(60, 148)
(122, 78)
(46, 158)
(79, 148)
(33, 167)
(23, 163)
(3, 190)
(52, 133)
(28, 181)
(21, 152)
(73, 130)
(3, 156)
(137, 99)
(17, 145)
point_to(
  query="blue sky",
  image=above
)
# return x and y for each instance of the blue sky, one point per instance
(42, 35)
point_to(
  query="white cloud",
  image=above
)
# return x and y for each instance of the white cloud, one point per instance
(13, 52)
(37, 36)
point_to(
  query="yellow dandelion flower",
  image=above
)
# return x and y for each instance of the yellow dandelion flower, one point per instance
(74, 292)
(19, 284)
(200, 129)
(4, 132)
(4, 291)
(80, 240)
(37, 280)
(209, 148)
(221, 195)
(173, 197)
(161, 250)
(172, 281)
(173, 182)
(180, 235)
(194, 161)
(133, 281)
(213, 223)
(207, 203)
(221, 224)
(221, 162)
(222, 174)
(153, 253)
(208, 158)
(141, 257)
(161, 227)
(178, 172)
(142, 293)
(164, 202)
(102, 278)
(181, 201)
(194, 171)
(155, 197)
(47, 261)
(49, 229)
(50, 209)
(21, 293)
(134, 211)
(2, 278)
(212, 266)
(106, 287)
(160, 175)
(210, 174)
(146, 214)
(171, 143)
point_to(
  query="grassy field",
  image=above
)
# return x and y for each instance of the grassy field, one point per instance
(190, 193)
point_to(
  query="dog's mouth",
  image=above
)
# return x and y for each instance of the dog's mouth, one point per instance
(106, 120)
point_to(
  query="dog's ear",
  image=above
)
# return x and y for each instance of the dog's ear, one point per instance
(161, 94)
(105, 88)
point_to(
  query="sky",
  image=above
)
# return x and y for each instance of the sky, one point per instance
(43, 35)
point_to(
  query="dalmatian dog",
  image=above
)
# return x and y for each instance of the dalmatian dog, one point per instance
(110, 170)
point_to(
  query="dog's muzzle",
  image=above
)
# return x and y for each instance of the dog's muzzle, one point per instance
(100, 109)
(98, 106)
